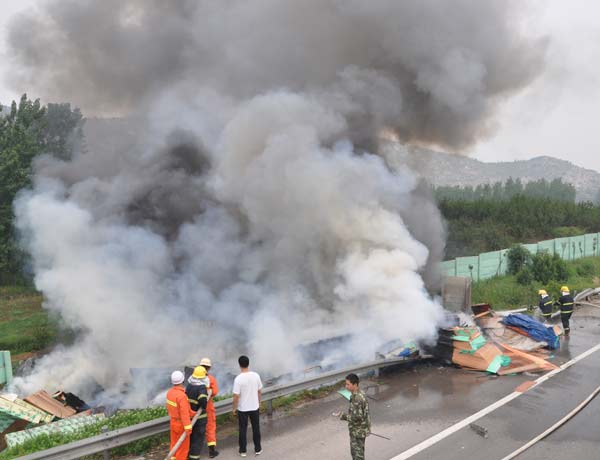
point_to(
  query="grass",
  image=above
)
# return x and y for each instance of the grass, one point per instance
(505, 293)
(121, 419)
(24, 325)
(291, 401)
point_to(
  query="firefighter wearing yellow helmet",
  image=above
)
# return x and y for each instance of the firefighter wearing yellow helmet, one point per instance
(566, 303)
(545, 304)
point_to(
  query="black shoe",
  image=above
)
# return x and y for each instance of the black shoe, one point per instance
(212, 452)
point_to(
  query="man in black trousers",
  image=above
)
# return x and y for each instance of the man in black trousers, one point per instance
(247, 388)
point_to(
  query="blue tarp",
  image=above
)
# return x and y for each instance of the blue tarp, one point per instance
(534, 329)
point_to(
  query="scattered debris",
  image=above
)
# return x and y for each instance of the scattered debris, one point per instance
(466, 347)
(588, 297)
(71, 400)
(398, 349)
(502, 345)
(68, 425)
(523, 387)
(496, 331)
(531, 327)
(47, 403)
(19, 409)
(22, 419)
(481, 431)
(522, 361)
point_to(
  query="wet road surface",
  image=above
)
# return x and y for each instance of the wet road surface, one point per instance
(514, 424)
(413, 403)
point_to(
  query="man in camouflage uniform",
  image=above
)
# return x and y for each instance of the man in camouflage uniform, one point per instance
(359, 421)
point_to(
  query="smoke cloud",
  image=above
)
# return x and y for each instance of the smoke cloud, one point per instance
(255, 212)
(432, 70)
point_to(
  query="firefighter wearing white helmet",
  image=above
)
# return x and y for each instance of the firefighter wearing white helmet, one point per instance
(180, 412)
(545, 304)
(566, 303)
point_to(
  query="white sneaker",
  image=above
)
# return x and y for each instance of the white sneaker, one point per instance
(258, 453)
(242, 454)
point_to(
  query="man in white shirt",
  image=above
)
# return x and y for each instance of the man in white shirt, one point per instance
(246, 404)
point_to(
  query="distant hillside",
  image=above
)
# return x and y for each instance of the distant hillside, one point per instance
(440, 168)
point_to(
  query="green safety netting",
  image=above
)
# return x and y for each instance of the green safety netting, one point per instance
(467, 266)
(591, 244)
(489, 264)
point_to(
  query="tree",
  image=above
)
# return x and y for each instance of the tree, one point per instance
(517, 259)
(26, 131)
(546, 267)
(21, 139)
(64, 130)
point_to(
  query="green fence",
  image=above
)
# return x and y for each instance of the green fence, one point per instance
(489, 264)
(5, 367)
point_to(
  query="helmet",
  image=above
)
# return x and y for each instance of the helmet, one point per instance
(177, 377)
(564, 289)
(199, 372)
(205, 362)
(542, 292)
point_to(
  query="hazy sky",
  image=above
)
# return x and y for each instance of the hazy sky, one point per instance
(555, 116)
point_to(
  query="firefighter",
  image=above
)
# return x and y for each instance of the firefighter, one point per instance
(545, 304)
(566, 303)
(180, 412)
(211, 423)
(197, 394)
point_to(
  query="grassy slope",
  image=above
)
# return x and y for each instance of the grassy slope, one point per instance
(24, 325)
(505, 293)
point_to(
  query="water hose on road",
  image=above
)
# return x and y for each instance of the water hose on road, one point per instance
(554, 427)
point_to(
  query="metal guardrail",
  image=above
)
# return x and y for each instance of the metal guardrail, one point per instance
(123, 436)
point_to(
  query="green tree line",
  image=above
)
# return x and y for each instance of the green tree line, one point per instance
(27, 130)
(554, 189)
(488, 224)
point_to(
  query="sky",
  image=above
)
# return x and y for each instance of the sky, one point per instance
(555, 116)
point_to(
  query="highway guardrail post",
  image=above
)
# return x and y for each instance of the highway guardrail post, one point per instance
(106, 453)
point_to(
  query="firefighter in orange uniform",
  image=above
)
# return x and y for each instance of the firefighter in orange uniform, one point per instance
(211, 423)
(180, 412)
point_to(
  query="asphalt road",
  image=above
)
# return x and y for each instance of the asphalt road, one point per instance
(514, 424)
(414, 403)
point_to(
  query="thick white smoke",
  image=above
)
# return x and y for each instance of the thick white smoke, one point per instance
(254, 214)
(294, 242)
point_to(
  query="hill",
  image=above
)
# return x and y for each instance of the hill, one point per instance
(444, 169)
(438, 168)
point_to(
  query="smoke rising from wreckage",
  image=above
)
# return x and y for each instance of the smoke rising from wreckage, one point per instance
(256, 195)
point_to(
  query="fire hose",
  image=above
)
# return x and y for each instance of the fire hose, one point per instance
(181, 439)
(554, 427)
